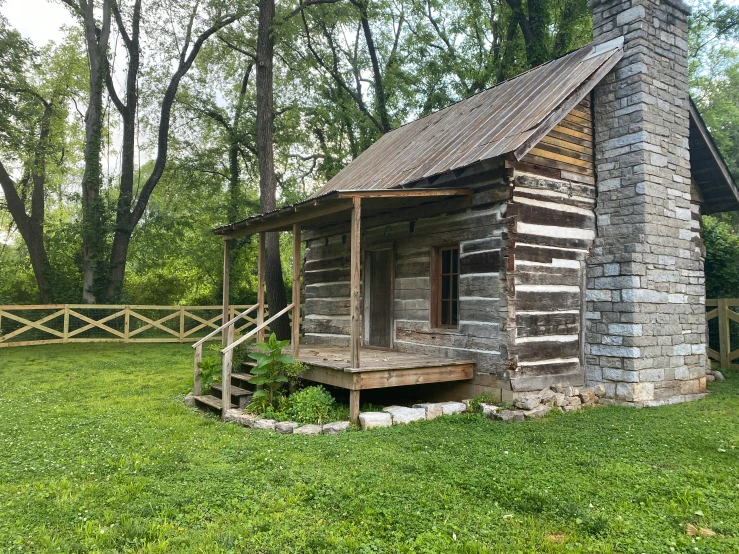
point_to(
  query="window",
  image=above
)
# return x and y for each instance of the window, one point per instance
(445, 286)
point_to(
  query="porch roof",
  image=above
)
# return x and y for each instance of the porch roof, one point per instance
(334, 208)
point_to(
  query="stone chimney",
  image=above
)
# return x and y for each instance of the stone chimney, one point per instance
(645, 321)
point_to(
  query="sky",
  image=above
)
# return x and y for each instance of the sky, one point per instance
(38, 20)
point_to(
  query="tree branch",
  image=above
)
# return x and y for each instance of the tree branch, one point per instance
(307, 4)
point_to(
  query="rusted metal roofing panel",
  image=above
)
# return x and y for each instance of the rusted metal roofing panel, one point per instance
(490, 124)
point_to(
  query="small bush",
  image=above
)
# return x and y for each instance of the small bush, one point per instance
(311, 405)
(477, 402)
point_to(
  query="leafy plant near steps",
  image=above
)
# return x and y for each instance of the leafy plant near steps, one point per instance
(210, 370)
(311, 405)
(272, 372)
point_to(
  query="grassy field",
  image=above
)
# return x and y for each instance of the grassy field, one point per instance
(98, 454)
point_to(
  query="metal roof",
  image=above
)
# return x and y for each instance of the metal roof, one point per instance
(508, 118)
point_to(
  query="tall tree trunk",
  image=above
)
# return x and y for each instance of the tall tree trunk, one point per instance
(276, 298)
(129, 209)
(93, 210)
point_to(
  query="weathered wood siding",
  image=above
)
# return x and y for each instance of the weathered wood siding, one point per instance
(480, 229)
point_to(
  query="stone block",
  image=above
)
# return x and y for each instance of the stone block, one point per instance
(489, 409)
(240, 418)
(571, 408)
(509, 416)
(528, 402)
(264, 424)
(449, 408)
(587, 395)
(308, 430)
(433, 410)
(402, 415)
(634, 392)
(370, 420)
(600, 390)
(537, 413)
(335, 427)
(286, 427)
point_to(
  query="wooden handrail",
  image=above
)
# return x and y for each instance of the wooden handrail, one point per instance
(228, 323)
(258, 328)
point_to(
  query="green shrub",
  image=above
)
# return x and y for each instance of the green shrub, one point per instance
(477, 402)
(272, 371)
(311, 405)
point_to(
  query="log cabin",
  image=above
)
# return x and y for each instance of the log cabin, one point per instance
(544, 231)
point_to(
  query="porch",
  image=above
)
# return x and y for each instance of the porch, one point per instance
(354, 367)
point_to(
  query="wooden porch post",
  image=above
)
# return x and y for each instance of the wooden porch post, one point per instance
(260, 285)
(356, 299)
(226, 284)
(296, 289)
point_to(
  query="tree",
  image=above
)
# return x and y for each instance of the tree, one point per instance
(35, 90)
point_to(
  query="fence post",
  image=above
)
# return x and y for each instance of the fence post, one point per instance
(724, 336)
(226, 377)
(65, 330)
(126, 322)
(182, 323)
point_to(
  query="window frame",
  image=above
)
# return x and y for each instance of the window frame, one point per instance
(436, 286)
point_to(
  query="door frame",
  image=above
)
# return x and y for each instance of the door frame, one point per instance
(390, 245)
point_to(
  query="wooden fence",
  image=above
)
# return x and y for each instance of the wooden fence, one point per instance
(65, 323)
(723, 331)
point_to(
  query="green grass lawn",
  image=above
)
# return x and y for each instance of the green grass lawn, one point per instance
(98, 454)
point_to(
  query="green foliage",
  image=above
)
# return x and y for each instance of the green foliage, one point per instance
(272, 371)
(101, 455)
(722, 259)
(210, 369)
(477, 402)
(310, 405)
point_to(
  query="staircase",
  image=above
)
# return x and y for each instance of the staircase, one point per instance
(241, 391)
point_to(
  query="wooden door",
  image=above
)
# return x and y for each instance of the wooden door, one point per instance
(380, 295)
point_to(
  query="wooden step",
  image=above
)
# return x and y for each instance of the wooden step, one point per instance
(239, 396)
(242, 380)
(248, 364)
(209, 402)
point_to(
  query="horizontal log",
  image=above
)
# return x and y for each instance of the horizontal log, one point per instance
(539, 301)
(545, 350)
(534, 325)
(545, 255)
(480, 262)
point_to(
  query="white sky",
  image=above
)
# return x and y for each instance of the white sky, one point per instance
(38, 20)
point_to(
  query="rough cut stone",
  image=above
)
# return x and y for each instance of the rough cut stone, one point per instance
(240, 418)
(403, 415)
(489, 409)
(547, 396)
(509, 416)
(308, 430)
(571, 408)
(264, 424)
(573, 401)
(718, 375)
(587, 395)
(370, 420)
(538, 412)
(710, 377)
(448, 408)
(432, 410)
(600, 390)
(190, 400)
(528, 402)
(335, 427)
(286, 427)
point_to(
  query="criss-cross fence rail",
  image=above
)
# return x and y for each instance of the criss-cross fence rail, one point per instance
(722, 316)
(65, 323)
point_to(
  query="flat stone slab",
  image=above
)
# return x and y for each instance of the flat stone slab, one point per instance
(509, 416)
(402, 415)
(264, 424)
(190, 400)
(433, 410)
(308, 430)
(449, 408)
(335, 427)
(240, 418)
(572, 407)
(286, 427)
(370, 420)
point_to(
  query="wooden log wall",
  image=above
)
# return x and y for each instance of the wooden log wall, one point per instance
(553, 203)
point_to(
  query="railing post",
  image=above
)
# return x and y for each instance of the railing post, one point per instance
(260, 285)
(182, 323)
(226, 284)
(126, 323)
(296, 290)
(355, 299)
(226, 377)
(196, 370)
(724, 336)
(65, 330)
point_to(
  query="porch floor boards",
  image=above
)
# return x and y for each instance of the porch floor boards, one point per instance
(379, 368)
